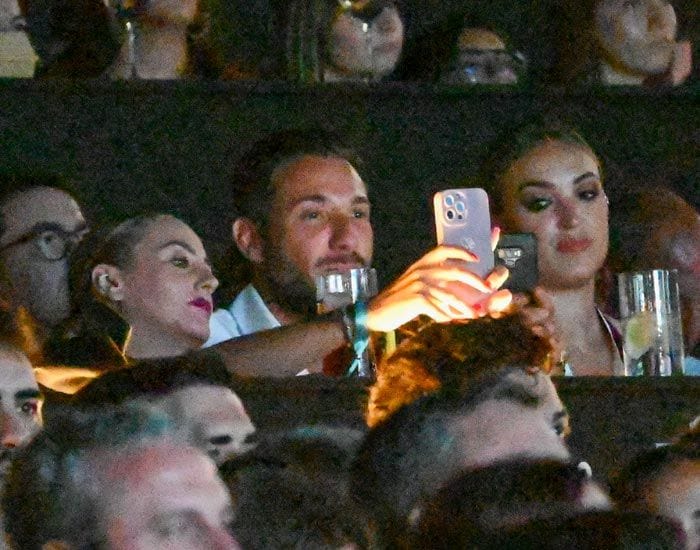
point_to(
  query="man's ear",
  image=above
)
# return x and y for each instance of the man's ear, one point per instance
(107, 280)
(247, 237)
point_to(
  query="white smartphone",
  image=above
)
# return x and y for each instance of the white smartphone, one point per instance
(462, 218)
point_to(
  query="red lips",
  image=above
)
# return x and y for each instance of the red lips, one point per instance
(203, 304)
(573, 246)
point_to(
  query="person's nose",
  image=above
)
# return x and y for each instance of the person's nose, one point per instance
(206, 279)
(342, 233)
(568, 213)
(12, 432)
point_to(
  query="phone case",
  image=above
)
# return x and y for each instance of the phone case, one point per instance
(462, 218)
(518, 252)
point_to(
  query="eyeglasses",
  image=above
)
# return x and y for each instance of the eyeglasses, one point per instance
(54, 242)
(486, 67)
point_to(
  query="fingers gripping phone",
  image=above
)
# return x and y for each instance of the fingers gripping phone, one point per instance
(462, 218)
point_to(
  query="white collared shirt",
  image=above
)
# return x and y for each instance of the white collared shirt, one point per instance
(246, 314)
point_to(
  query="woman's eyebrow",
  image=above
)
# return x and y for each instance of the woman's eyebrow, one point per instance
(182, 244)
(586, 176)
(546, 185)
(535, 183)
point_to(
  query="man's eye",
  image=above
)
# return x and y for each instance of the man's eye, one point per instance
(178, 527)
(180, 261)
(29, 408)
(538, 205)
(310, 215)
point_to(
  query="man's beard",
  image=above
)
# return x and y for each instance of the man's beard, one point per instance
(6, 457)
(288, 287)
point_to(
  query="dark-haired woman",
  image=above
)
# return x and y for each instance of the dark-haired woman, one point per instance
(548, 182)
(153, 272)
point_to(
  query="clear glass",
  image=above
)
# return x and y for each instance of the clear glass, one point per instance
(651, 323)
(342, 288)
(339, 289)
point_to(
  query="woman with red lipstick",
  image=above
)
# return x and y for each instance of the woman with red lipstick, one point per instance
(153, 272)
(547, 181)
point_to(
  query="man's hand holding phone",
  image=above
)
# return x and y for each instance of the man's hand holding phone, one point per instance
(442, 286)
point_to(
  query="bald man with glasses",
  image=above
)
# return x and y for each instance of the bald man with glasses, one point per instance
(40, 224)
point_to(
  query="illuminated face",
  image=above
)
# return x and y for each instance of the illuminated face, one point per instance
(20, 403)
(555, 192)
(165, 294)
(38, 276)
(637, 33)
(362, 48)
(319, 222)
(676, 494)
(165, 497)
(212, 418)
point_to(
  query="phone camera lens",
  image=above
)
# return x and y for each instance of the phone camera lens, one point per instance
(460, 206)
(450, 214)
(449, 200)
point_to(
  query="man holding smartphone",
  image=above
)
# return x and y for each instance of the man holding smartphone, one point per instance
(302, 211)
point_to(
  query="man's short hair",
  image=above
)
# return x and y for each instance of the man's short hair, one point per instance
(154, 378)
(292, 490)
(253, 174)
(629, 485)
(501, 496)
(50, 491)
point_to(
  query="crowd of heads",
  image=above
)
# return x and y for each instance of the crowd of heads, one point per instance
(340, 41)
(466, 434)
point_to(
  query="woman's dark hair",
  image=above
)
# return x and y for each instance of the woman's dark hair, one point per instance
(111, 244)
(514, 143)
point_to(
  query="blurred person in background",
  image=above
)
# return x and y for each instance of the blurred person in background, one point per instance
(665, 481)
(192, 390)
(115, 478)
(638, 43)
(655, 228)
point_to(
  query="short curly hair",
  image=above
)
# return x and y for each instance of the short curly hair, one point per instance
(450, 357)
